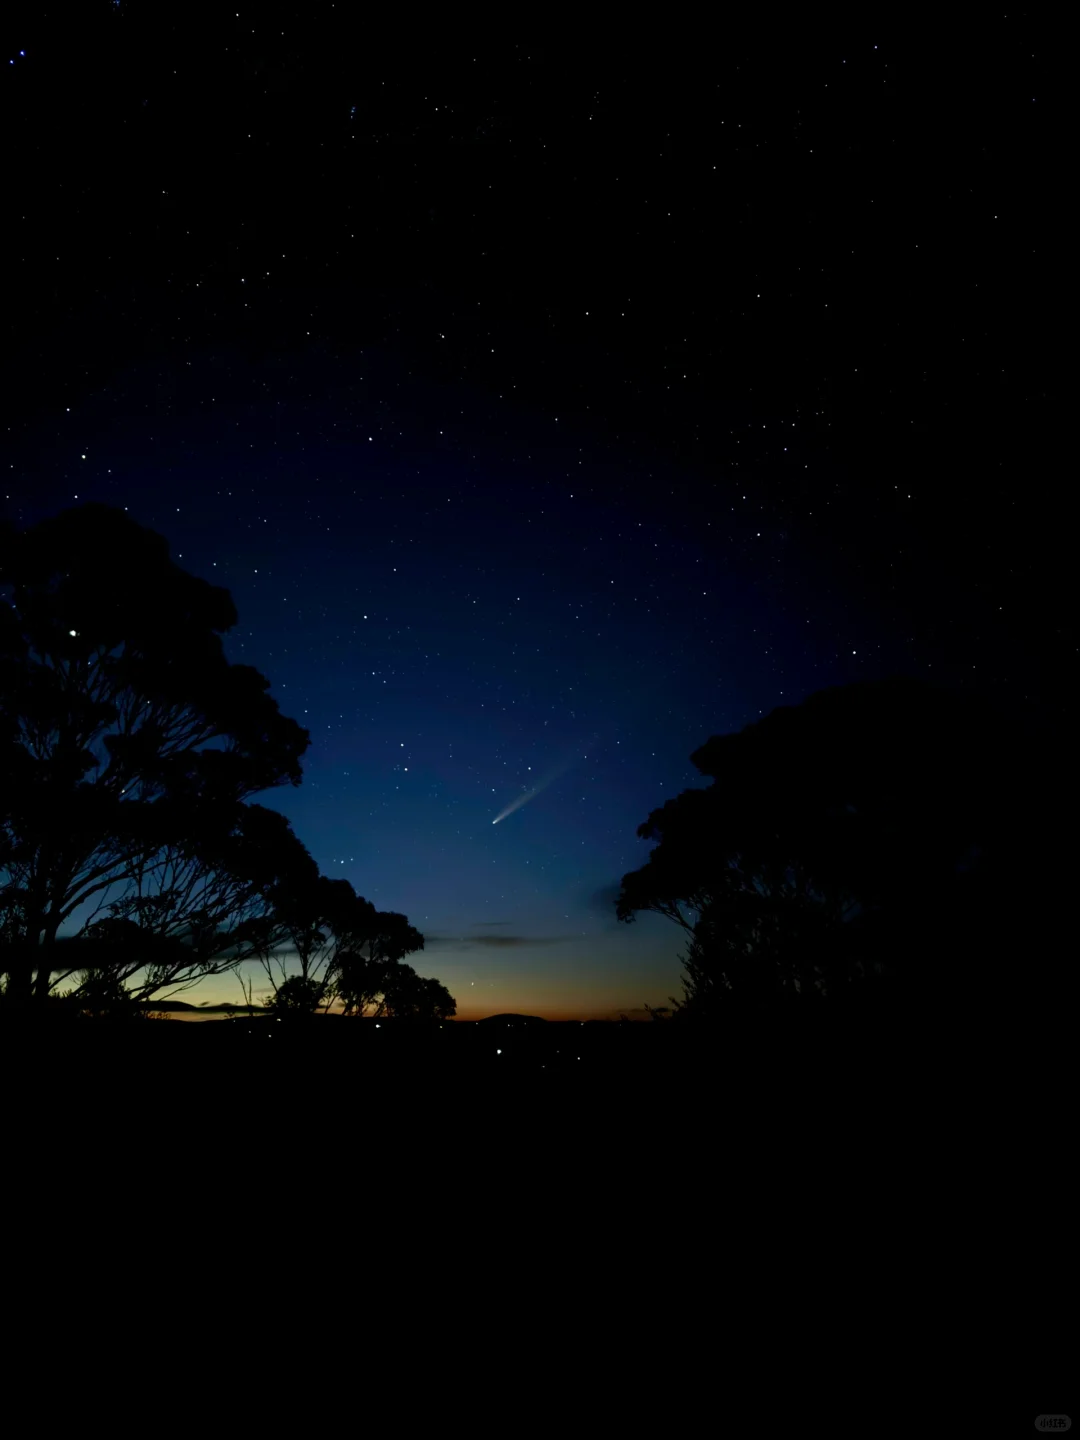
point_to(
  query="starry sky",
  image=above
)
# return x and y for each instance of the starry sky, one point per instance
(547, 404)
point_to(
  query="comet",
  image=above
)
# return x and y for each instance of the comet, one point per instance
(521, 800)
(517, 804)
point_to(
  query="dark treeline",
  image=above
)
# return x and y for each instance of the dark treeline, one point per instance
(130, 749)
(890, 846)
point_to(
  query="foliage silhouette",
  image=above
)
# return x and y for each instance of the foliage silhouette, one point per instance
(844, 844)
(360, 984)
(296, 998)
(99, 995)
(342, 943)
(129, 750)
(372, 979)
(408, 996)
(128, 745)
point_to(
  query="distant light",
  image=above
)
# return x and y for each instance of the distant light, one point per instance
(498, 1052)
(73, 632)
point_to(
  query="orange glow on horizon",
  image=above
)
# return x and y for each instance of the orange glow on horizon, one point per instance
(633, 1012)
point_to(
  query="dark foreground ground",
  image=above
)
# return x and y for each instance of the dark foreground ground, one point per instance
(754, 1199)
(825, 1069)
(867, 1145)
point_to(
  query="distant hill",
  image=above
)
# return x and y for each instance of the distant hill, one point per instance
(168, 1006)
(512, 1020)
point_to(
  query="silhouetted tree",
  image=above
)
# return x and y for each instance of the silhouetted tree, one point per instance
(343, 945)
(368, 968)
(247, 986)
(157, 943)
(296, 997)
(359, 983)
(408, 996)
(661, 1012)
(99, 995)
(307, 920)
(834, 846)
(128, 746)
(391, 937)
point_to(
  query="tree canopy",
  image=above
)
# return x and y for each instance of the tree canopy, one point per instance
(128, 747)
(408, 996)
(130, 750)
(347, 949)
(841, 841)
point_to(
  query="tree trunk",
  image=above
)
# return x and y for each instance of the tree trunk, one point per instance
(20, 978)
(45, 957)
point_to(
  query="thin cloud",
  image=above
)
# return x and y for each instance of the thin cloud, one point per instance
(495, 942)
(505, 940)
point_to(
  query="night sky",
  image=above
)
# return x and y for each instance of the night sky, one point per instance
(547, 405)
